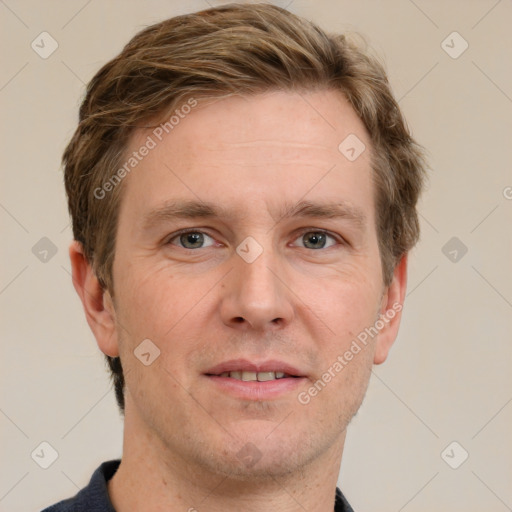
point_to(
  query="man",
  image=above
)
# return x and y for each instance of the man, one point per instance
(243, 191)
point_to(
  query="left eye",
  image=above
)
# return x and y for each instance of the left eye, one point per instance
(316, 239)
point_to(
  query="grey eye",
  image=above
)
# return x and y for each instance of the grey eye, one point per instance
(192, 240)
(316, 239)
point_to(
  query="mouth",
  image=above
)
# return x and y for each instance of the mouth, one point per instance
(255, 381)
(247, 371)
(250, 376)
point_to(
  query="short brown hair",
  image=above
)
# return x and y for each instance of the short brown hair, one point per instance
(233, 49)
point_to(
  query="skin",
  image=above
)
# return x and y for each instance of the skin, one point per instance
(300, 301)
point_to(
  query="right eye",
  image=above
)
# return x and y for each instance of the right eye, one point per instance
(190, 239)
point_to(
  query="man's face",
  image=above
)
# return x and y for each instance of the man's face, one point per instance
(251, 289)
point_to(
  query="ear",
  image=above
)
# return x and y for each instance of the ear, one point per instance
(391, 311)
(97, 303)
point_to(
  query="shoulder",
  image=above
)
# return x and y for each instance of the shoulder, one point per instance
(92, 498)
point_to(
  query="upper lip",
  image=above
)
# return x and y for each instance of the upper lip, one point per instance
(244, 365)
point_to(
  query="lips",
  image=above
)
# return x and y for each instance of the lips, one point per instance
(242, 369)
(256, 381)
(253, 376)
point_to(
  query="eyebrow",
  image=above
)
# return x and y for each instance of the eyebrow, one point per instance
(191, 209)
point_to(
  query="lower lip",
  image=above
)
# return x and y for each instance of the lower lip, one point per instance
(256, 390)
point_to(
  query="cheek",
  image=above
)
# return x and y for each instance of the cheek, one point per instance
(349, 308)
(165, 309)
(349, 305)
(151, 309)
(151, 302)
(346, 360)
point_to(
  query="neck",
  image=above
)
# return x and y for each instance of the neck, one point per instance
(151, 478)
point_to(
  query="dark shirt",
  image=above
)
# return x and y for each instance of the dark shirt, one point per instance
(94, 497)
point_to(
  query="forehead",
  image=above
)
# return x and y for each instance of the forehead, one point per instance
(273, 146)
(309, 118)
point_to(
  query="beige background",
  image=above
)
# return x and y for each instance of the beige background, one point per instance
(449, 374)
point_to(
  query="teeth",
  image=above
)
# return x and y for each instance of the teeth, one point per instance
(264, 376)
(253, 376)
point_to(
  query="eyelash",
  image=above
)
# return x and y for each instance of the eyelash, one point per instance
(337, 238)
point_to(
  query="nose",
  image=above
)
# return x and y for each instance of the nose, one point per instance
(256, 297)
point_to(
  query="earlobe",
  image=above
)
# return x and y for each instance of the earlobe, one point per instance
(391, 311)
(97, 303)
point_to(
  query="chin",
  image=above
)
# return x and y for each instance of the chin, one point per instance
(270, 466)
(257, 456)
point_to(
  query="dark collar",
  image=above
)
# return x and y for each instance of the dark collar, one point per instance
(341, 504)
(95, 498)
